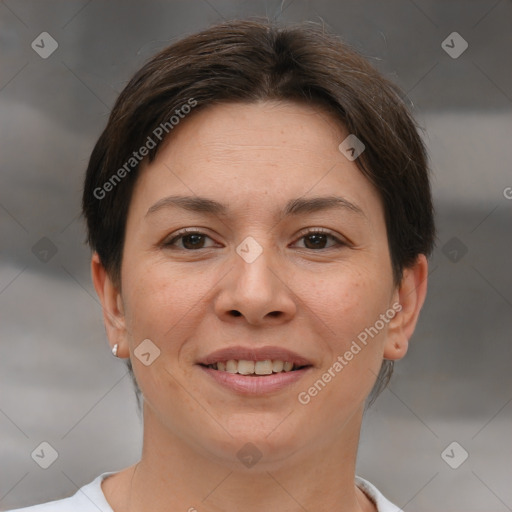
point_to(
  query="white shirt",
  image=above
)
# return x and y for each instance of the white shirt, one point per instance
(90, 498)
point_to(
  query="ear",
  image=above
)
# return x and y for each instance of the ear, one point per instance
(112, 305)
(410, 295)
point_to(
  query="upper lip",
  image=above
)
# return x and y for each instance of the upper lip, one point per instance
(254, 354)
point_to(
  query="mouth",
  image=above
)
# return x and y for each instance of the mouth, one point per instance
(251, 383)
(255, 368)
(251, 371)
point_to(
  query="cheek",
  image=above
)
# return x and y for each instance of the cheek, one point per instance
(347, 303)
(346, 306)
(162, 303)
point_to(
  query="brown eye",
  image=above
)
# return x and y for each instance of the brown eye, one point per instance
(319, 239)
(190, 241)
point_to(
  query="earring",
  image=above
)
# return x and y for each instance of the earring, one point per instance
(114, 350)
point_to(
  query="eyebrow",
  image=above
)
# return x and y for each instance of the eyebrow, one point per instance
(297, 206)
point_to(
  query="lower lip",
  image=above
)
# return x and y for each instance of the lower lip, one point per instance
(256, 385)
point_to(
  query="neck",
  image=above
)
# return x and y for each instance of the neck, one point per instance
(173, 475)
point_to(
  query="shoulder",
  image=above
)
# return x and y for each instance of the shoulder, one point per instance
(89, 498)
(382, 504)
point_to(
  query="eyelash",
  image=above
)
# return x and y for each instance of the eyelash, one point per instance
(193, 231)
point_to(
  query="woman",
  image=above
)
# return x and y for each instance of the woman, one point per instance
(260, 216)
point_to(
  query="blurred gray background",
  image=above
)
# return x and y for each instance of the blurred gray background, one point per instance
(58, 380)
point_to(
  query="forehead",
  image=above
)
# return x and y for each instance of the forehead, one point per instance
(254, 155)
(265, 129)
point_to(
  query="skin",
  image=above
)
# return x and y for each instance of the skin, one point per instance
(314, 301)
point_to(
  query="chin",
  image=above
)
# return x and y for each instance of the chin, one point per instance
(262, 445)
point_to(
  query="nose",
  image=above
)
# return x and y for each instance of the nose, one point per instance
(259, 291)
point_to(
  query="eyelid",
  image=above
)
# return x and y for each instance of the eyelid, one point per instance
(182, 232)
(307, 231)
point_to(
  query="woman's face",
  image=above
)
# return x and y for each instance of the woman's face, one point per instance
(253, 279)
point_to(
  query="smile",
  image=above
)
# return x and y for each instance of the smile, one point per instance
(255, 368)
(250, 382)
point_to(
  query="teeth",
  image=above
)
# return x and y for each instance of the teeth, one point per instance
(231, 366)
(277, 366)
(245, 367)
(288, 366)
(263, 367)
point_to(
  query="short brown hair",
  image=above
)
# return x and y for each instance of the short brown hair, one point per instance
(248, 61)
